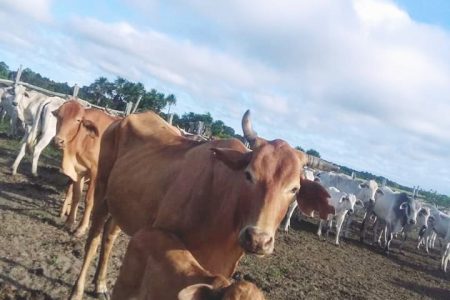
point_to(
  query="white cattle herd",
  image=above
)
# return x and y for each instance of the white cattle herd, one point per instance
(394, 212)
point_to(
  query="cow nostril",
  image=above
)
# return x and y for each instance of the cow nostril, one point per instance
(268, 243)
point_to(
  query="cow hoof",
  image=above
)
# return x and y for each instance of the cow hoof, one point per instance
(79, 233)
(103, 296)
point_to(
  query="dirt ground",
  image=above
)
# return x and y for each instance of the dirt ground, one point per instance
(39, 259)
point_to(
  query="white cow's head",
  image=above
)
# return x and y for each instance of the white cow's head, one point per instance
(368, 190)
(348, 202)
(19, 92)
(410, 208)
(422, 217)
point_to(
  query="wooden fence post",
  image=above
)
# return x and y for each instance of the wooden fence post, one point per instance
(128, 108)
(200, 128)
(137, 104)
(76, 88)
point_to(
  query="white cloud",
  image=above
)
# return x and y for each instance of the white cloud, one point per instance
(36, 9)
(360, 81)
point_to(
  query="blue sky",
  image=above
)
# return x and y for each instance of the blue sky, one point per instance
(365, 82)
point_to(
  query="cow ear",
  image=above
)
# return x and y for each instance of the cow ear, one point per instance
(364, 185)
(403, 205)
(235, 160)
(199, 291)
(90, 127)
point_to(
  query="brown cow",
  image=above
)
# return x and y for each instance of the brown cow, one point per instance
(218, 197)
(172, 272)
(80, 141)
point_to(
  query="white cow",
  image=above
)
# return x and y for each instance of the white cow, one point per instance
(35, 111)
(423, 215)
(395, 209)
(343, 203)
(363, 190)
(438, 223)
(445, 256)
(8, 109)
(308, 174)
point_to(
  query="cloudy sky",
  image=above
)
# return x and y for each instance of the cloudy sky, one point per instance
(364, 82)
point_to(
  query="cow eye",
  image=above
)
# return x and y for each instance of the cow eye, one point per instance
(294, 190)
(248, 176)
(78, 120)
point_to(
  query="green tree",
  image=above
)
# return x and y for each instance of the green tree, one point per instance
(299, 148)
(313, 153)
(4, 70)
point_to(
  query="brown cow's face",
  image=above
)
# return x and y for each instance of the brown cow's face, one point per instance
(272, 180)
(69, 118)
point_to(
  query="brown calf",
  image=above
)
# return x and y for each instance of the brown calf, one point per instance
(78, 134)
(171, 271)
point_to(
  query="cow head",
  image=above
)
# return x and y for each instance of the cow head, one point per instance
(409, 206)
(19, 92)
(241, 290)
(368, 190)
(348, 202)
(69, 121)
(422, 217)
(270, 176)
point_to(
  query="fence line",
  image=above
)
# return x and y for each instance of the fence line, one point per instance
(76, 88)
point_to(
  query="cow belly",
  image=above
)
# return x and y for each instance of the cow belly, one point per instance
(135, 190)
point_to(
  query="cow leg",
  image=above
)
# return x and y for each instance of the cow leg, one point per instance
(291, 210)
(389, 236)
(319, 231)
(43, 142)
(20, 155)
(375, 232)
(329, 226)
(110, 233)
(445, 258)
(402, 242)
(363, 227)
(339, 220)
(133, 266)
(348, 225)
(65, 210)
(89, 203)
(93, 240)
(76, 195)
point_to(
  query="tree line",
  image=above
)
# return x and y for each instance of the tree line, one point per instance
(115, 94)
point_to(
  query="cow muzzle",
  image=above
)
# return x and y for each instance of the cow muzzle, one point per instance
(59, 142)
(255, 241)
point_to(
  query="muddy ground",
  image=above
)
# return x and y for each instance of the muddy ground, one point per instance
(39, 259)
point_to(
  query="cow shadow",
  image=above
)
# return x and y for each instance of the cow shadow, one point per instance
(34, 294)
(431, 292)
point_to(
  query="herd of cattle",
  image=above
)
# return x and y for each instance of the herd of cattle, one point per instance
(194, 208)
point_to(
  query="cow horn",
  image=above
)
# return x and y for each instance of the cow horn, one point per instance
(250, 135)
(316, 162)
